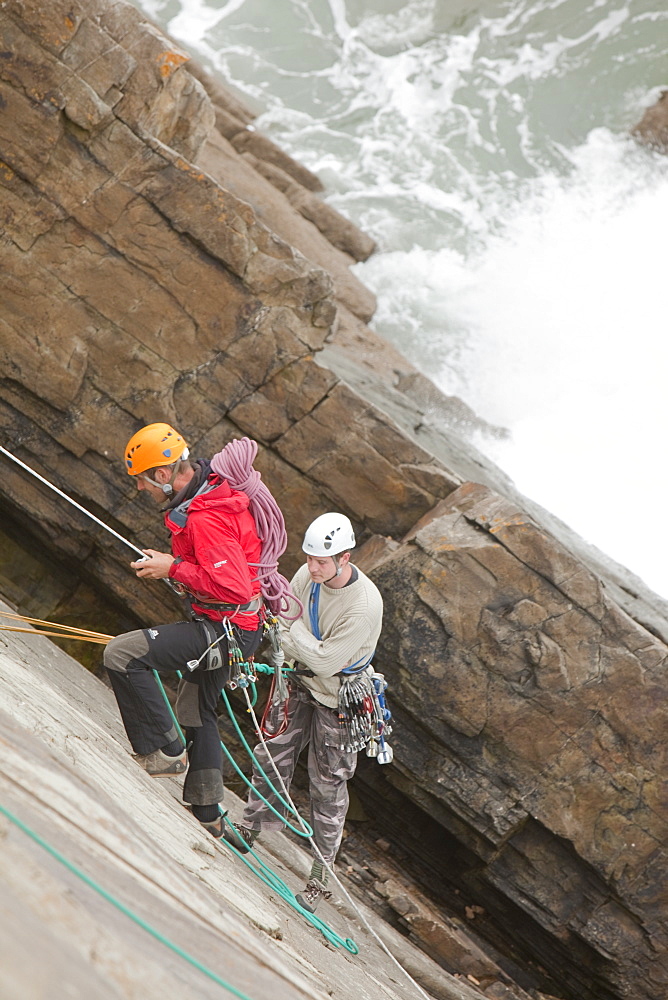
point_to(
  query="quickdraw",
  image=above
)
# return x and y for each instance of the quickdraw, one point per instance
(242, 670)
(364, 718)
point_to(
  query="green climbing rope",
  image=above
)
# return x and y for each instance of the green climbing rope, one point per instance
(263, 872)
(168, 703)
(305, 830)
(121, 906)
(271, 879)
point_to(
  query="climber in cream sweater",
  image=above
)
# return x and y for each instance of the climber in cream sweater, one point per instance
(338, 628)
(349, 617)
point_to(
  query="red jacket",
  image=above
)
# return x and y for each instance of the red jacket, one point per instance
(213, 550)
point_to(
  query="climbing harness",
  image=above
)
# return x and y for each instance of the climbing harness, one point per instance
(364, 718)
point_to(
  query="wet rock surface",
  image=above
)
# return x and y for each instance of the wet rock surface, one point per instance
(164, 261)
(652, 129)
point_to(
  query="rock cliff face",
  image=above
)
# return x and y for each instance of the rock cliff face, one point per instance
(542, 725)
(162, 260)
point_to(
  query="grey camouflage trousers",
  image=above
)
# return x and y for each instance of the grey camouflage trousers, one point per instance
(329, 770)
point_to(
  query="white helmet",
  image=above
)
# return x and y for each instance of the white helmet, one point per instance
(328, 535)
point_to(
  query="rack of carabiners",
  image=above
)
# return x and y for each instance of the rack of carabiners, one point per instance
(364, 718)
(242, 671)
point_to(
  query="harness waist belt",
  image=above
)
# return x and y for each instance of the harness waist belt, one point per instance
(250, 609)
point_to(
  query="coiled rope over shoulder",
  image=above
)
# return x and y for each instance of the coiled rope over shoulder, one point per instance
(235, 464)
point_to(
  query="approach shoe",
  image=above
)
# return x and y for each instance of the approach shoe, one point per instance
(239, 837)
(159, 765)
(214, 827)
(312, 894)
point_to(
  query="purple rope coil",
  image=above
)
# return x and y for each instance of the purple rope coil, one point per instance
(235, 464)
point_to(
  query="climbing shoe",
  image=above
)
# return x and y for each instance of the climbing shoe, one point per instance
(312, 894)
(239, 837)
(316, 888)
(214, 827)
(159, 765)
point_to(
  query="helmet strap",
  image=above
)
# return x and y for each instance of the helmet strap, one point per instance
(339, 568)
(167, 488)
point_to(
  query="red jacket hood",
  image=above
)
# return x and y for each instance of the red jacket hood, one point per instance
(222, 497)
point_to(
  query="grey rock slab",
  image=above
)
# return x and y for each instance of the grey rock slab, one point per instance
(69, 777)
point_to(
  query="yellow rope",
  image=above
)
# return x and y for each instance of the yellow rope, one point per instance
(80, 632)
(103, 640)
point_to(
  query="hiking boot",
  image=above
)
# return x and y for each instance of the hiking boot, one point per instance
(239, 837)
(159, 765)
(316, 887)
(214, 827)
(312, 894)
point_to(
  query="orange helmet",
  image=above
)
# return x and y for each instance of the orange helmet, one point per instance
(154, 445)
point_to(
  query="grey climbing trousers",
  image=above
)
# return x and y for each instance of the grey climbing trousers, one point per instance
(130, 660)
(329, 770)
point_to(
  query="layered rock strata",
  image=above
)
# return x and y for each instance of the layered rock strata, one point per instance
(541, 717)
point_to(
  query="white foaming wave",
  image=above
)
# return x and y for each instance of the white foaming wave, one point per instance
(420, 294)
(197, 17)
(557, 331)
(577, 270)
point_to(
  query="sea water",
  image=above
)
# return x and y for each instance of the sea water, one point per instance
(521, 231)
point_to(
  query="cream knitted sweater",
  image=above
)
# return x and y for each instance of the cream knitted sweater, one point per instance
(349, 620)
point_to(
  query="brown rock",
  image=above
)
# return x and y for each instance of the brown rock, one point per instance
(543, 751)
(238, 174)
(339, 231)
(652, 129)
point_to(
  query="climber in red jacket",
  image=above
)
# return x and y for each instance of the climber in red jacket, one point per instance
(215, 554)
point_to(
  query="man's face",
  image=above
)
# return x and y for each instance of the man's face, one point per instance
(153, 491)
(321, 568)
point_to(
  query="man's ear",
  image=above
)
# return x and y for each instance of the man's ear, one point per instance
(344, 559)
(162, 474)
